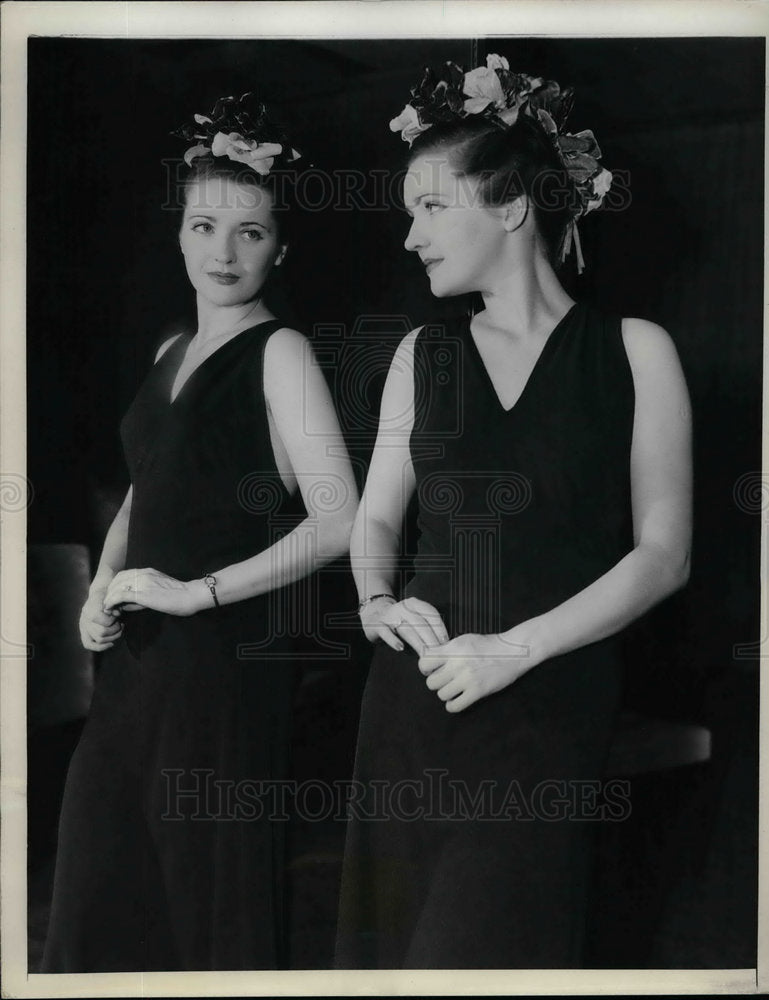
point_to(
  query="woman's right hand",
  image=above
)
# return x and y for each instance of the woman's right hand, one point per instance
(413, 621)
(99, 629)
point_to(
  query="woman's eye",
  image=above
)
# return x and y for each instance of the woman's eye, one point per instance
(252, 235)
(202, 227)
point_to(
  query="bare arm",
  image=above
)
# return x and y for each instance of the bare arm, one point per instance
(390, 482)
(376, 534)
(658, 564)
(99, 630)
(306, 422)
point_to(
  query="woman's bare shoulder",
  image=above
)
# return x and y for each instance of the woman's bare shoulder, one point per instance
(645, 335)
(285, 350)
(658, 375)
(649, 346)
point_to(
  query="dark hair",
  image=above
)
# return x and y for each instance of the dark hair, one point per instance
(280, 183)
(508, 161)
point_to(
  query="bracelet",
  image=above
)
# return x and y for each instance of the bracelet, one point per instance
(375, 597)
(210, 581)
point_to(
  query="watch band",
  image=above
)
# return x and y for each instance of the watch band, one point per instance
(210, 581)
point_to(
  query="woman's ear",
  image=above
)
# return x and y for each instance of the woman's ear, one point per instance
(515, 213)
(281, 255)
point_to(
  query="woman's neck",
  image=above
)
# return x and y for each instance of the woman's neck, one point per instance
(215, 322)
(527, 302)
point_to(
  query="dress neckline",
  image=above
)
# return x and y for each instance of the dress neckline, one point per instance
(205, 364)
(547, 349)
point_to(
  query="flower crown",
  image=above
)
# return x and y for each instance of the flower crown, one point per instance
(496, 93)
(240, 130)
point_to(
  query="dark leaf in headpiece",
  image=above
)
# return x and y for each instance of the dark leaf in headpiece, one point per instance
(454, 75)
(583, 142)
(425, 86)
(185, 132)
(222, 107)
(251, 106)
(580, 166)
(546, 97)
(509, 83)
(438, 95)
(566, 104)
(455, 101)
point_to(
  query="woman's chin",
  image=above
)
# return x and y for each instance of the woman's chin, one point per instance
(443, 290)
(438, 288)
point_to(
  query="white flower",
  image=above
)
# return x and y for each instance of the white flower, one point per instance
(193, 151)
(408, 124)
(258, 155)
(601, 184)
(482, 87)
(494, 61)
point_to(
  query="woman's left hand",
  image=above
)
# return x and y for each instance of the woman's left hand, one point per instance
(135, 589)
(471, 667)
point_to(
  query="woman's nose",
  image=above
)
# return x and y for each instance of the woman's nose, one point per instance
(414, 238)
(223, 251)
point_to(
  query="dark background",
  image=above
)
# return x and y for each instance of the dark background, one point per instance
(105, 282)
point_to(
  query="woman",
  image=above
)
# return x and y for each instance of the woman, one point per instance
(548, 446)
(170, 853)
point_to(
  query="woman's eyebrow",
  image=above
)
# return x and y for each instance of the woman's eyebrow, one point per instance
(245, 222)
(421, 197)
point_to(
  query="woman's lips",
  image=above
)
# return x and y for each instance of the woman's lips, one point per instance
(430, 265)
(223, 278)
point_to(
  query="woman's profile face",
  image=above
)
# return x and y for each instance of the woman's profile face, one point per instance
(459, 239)
(229, 239)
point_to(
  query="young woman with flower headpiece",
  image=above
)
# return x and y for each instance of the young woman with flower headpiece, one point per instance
(547, 444)
(170, 849)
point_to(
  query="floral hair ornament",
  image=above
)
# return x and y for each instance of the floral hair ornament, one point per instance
(494, 92)
(240, 130)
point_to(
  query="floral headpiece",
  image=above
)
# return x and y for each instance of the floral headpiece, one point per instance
(494, 92)
(241, 130)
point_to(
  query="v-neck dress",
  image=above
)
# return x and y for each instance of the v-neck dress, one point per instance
(468, 833)
(170, 854)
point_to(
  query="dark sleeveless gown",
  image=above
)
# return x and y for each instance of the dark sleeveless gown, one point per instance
(468, 833)
(167, 859)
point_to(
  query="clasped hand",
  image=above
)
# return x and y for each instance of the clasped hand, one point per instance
(471, 667)
(135, 589)
(460, 671)
(395, 622)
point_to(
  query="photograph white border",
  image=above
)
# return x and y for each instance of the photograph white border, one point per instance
(273, 20)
